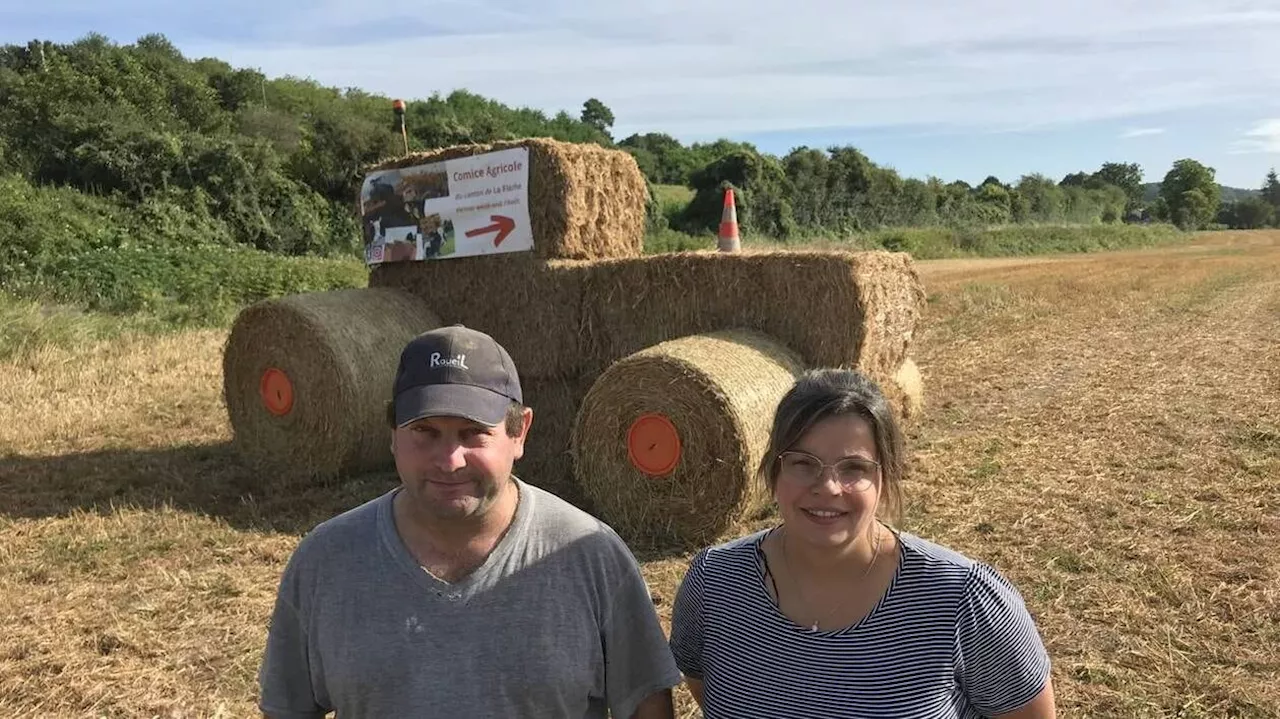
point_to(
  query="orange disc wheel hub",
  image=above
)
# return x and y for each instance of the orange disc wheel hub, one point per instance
(276, 391)
(653, 445)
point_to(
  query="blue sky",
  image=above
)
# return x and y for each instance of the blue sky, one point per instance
(956, 90)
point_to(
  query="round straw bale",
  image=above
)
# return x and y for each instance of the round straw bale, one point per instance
(667, 440)
(306, 379)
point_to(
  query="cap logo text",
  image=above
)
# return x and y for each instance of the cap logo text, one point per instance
(459, 361)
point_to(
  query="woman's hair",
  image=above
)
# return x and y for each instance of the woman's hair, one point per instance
(824, 393)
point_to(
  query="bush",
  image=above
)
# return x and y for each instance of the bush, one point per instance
(28, 326)
(204, 285)
(667, 240)
(163, 259)
(935, 242)
(760, 196)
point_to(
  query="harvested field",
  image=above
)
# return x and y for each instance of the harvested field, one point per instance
(1105, 429)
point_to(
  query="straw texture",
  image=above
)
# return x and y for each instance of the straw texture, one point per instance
(719, 390)
(339, 351)
(586, 202)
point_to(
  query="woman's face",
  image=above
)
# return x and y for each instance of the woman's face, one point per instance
(817, 506)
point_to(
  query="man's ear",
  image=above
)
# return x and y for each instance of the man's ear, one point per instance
(527, 417)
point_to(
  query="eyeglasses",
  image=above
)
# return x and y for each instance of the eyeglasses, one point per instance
(854, 474)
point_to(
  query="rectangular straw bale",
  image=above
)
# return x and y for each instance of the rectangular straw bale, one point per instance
(547, 461)
(533, 308)
(586, 202)
(835, 309)
(890, 284)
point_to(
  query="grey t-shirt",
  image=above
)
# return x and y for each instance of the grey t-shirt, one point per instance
(557, 622)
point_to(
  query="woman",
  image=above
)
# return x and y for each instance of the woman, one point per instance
(833, 613)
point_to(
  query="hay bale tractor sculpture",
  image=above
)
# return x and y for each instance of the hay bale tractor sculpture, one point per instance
(652, 378)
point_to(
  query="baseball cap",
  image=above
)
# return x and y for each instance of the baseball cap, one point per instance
(455, 371)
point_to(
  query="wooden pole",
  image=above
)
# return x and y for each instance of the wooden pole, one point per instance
(398, 105)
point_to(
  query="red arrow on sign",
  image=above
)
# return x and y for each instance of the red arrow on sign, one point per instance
(501, 224)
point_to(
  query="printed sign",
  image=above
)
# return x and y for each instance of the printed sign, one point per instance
(477, 205)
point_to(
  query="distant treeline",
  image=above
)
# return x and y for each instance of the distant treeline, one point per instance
(839, 190)
(197, 153)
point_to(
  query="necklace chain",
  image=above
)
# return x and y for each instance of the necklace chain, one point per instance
(875, 555)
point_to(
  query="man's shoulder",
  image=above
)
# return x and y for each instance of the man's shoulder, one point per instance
(552, 513)
(346, 531)
(557, 525)
(335, 548)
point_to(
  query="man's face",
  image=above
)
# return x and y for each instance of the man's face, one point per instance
(453, 468)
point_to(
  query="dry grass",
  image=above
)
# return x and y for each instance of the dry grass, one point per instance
(1105, 429)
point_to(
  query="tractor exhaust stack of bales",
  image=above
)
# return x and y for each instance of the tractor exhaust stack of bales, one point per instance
(586, 202)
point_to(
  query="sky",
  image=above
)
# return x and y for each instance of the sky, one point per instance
(956, 90)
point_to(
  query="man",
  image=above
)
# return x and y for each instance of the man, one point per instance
(464, 592)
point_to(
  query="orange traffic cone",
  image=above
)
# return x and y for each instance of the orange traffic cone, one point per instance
(728, 238)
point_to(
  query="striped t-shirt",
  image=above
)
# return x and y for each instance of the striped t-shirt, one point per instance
(950, 638)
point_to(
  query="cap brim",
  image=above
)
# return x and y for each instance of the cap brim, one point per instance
(452, 400)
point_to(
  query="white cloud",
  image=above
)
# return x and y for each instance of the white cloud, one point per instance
(715, 67)
(1142, 132)
(1262, 137)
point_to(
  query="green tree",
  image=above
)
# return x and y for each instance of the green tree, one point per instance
(276, 162)
(1250, 213)
(597, 115)
(994, 197)
(1191, 194)
(1193, 211)
(1127, 177)
(1159, 210)
(661, 157)
(1271, 193)
(1075, 179)
(1040, 198)
(340, 144)
(760, 195)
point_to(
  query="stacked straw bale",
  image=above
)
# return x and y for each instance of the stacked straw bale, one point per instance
(532, 307)
(719, 390)
(340, 350)
(586, 202)
(547, 461)
(836, 309)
